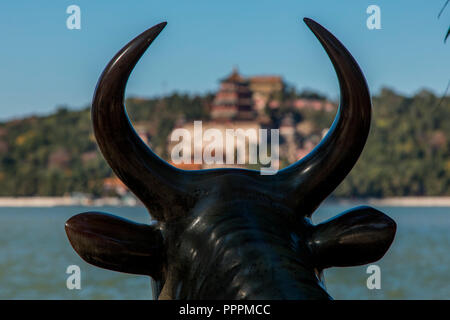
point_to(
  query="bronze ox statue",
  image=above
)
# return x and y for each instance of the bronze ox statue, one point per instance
(232, 233)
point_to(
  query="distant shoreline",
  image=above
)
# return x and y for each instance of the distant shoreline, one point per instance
(402, 201)
(132, 202)
(66, 201)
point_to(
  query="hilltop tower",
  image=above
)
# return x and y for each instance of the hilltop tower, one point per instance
(233, 101)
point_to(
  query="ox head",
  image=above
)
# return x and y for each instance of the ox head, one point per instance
(232, 233)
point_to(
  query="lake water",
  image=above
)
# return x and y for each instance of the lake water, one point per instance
(35, 252)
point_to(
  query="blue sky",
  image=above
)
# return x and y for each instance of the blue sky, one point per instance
(43, 64)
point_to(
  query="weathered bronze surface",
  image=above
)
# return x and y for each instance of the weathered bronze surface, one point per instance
(232, 233)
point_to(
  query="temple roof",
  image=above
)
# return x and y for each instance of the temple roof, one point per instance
(234, 77)
(270, 79)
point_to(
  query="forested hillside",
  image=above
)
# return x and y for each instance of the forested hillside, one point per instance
(407, 153)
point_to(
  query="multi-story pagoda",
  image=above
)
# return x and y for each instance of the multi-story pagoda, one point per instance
(234, 99)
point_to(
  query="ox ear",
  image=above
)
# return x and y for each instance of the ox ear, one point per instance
(115, 243)
(359, 236)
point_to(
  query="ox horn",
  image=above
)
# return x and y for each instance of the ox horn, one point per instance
(311, 179)
(160, 186)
